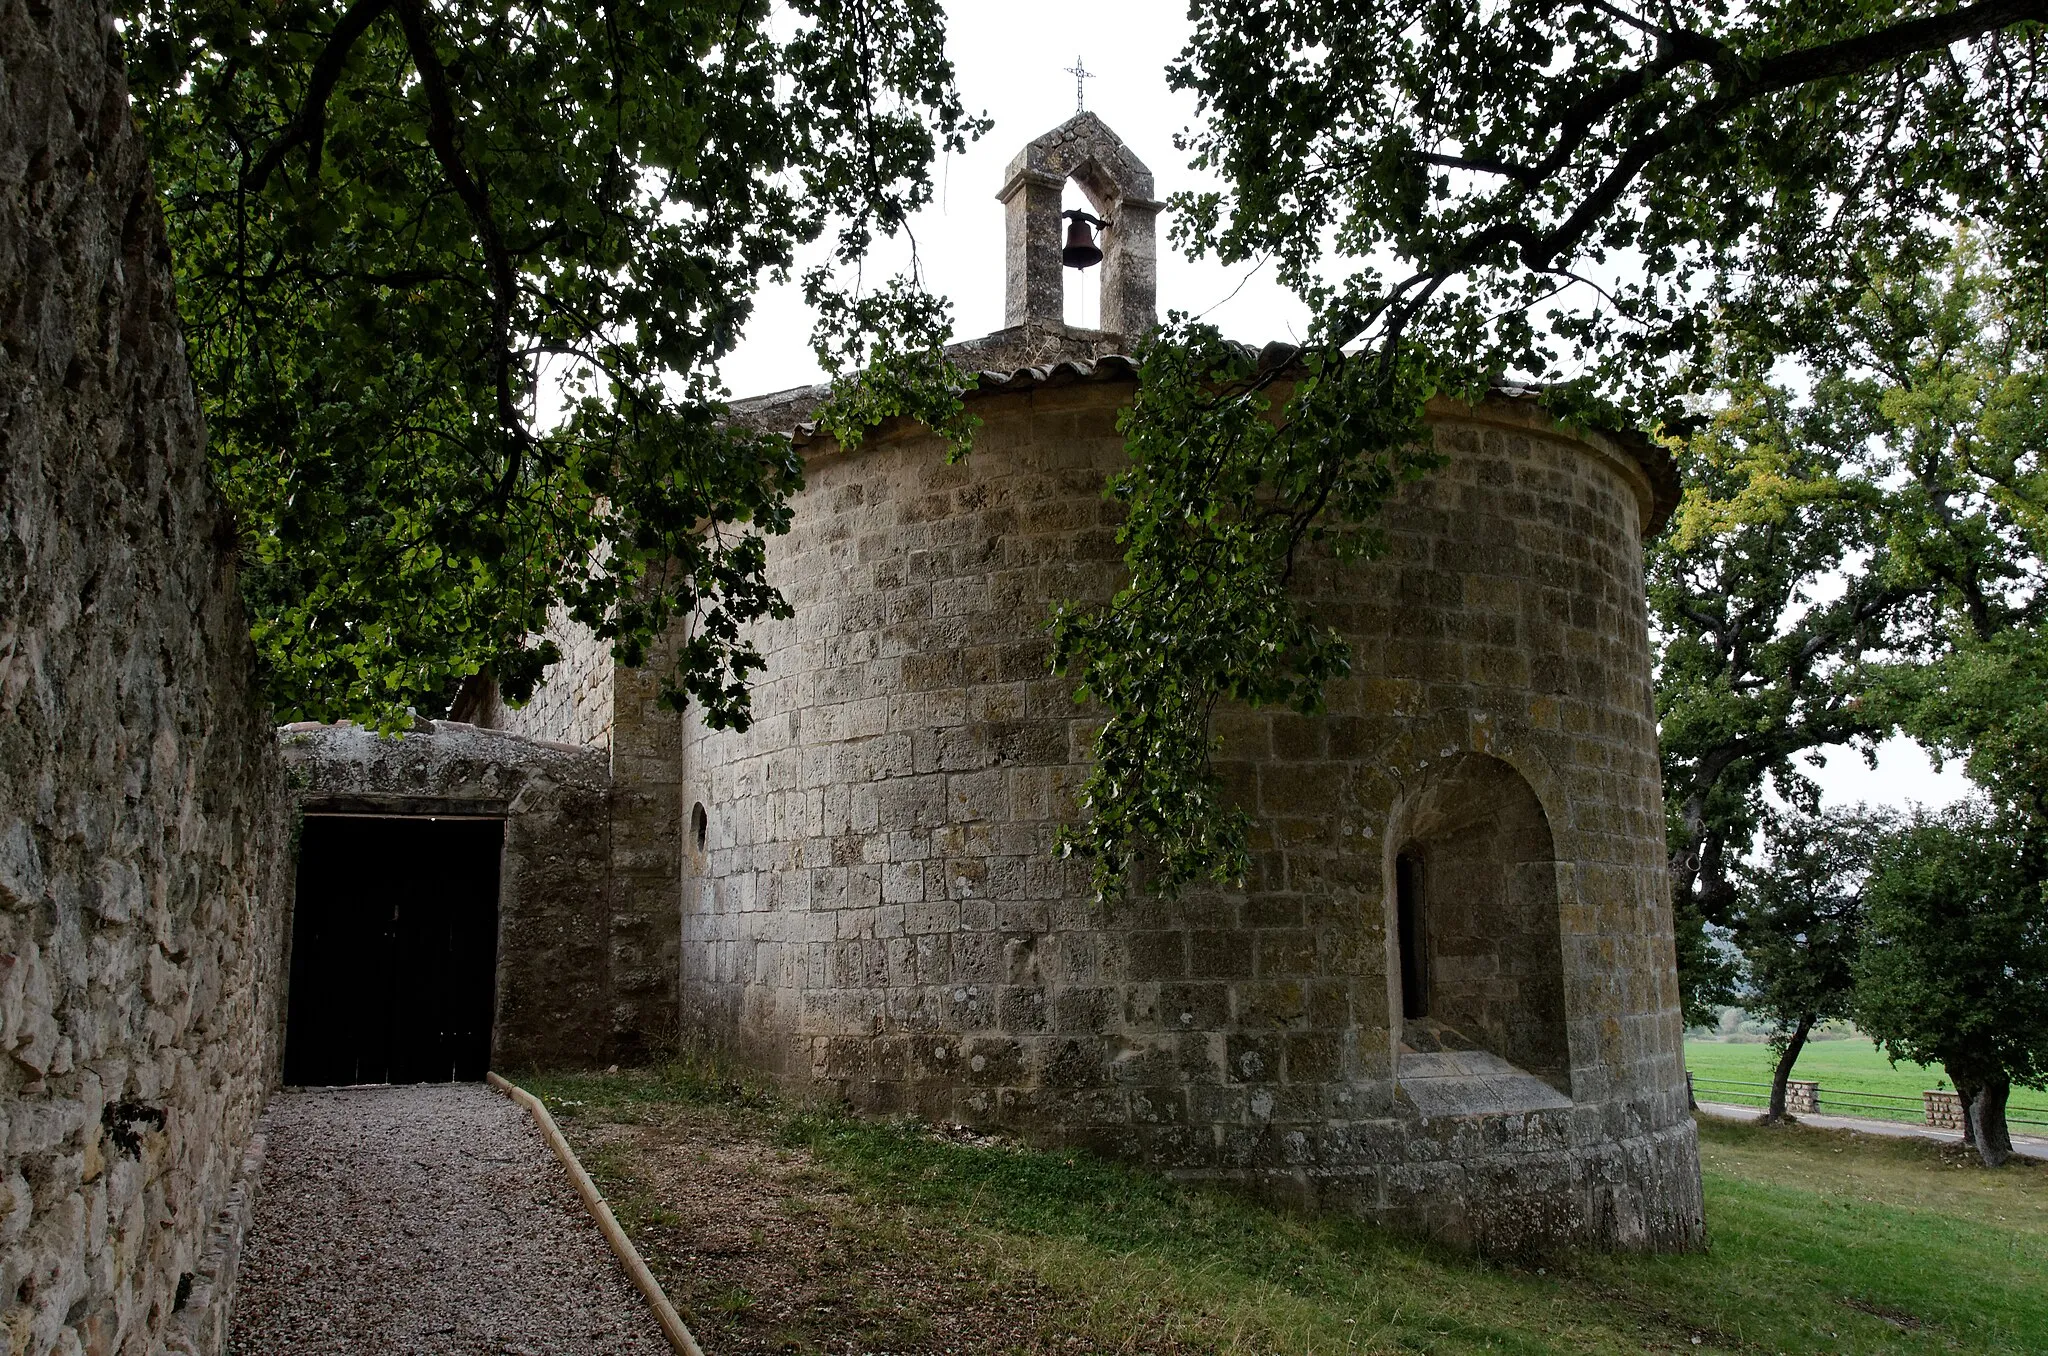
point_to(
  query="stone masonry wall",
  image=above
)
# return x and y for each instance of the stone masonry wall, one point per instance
(1507, 622)
(649, 819)
(876, 859)
(573, 704)
(144, 825)
(876, 911)
(588, 698)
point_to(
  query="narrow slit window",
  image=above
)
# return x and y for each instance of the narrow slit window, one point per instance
(1414, 935)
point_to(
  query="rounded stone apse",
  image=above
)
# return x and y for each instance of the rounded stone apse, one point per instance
(1445, 998)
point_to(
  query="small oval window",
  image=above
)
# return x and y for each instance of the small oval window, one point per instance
(700, 825)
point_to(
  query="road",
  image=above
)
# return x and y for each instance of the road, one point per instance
(2028, 1145)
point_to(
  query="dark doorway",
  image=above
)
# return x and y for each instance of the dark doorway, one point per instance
(394, 950)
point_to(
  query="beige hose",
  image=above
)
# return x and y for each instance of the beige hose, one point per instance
(629, 1256)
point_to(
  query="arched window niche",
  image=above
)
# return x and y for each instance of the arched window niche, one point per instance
(1475, 962)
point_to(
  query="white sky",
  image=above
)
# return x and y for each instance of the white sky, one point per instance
(1904, 775)
(1012, 67)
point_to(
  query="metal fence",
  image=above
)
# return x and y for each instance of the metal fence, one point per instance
(1936, 1107)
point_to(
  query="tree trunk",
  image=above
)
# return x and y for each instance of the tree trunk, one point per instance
(1786, 1059)
(1987, 1119)
(1967, 1089)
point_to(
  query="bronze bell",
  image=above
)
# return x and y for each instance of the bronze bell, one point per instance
(1081, 250)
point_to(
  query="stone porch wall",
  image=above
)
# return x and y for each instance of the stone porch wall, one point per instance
(144, 825)
(554, 1005)
(589, 699)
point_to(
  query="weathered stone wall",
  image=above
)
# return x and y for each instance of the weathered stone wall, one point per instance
(574, 702)
(876, 910)
(587, 698)
(649, 825)
(876, 873)
(554, 1004)
(143, 822)
(1507, 623)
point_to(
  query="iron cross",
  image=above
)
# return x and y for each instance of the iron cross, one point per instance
(1080, 73)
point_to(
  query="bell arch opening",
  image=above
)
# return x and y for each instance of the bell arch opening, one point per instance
(1080, 276)
(1473, 908)
(1115, 188)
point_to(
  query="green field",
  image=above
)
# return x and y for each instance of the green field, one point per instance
(1853, 1066)
(781, 1229)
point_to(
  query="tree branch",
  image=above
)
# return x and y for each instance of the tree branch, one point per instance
(441, 135)
(1849, 56)
(1852, 56)
(1737, 86)
(1706, 622)
(1522, 174)
(1632, 20)
(310, 127)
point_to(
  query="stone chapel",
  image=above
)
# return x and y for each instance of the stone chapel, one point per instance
(1446, 998)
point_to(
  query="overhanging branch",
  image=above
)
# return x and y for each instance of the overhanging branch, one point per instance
(442, 136)
(1737, 85)
(309, 129)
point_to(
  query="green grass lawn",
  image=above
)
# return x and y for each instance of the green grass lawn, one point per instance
(1820, 1242)
(1854, 1065)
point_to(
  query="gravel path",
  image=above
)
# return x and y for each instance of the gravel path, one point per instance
(427, 1220)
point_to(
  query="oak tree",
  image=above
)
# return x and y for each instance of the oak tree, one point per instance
(1862, 557)
(1798, 918)
(1583, 195)
(456, 280)
(1954, 970)
(1760, 638)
